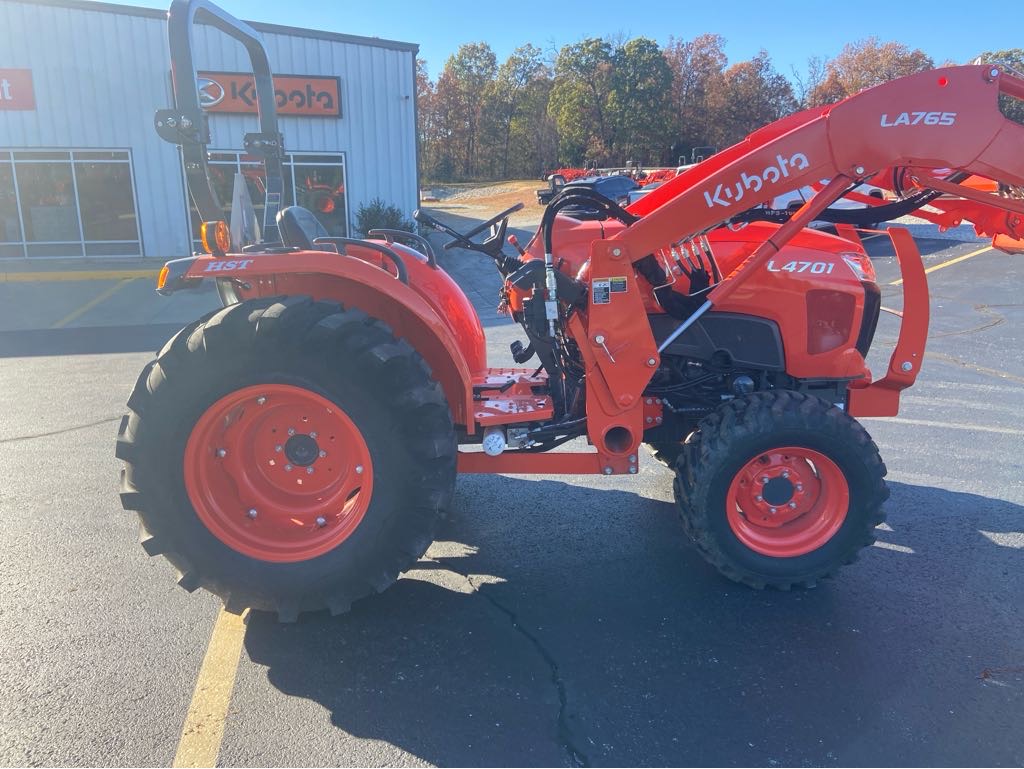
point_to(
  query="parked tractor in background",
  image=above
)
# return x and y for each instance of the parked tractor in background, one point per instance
(294, 450)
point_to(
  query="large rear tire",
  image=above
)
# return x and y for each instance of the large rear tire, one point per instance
(287, 455)
(780, 489)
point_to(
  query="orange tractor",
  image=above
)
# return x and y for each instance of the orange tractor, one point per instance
(294, 450)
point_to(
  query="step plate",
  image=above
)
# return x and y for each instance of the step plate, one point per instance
(503, 396)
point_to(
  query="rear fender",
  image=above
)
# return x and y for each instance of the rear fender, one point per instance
(451, 356)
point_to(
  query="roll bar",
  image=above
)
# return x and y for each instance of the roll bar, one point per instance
(187, 125)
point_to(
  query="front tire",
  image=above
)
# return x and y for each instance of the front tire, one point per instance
(287, 455)
(780, 489)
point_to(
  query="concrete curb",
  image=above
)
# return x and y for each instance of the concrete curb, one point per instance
(70, 275)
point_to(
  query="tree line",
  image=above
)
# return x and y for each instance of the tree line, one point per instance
(607, 101)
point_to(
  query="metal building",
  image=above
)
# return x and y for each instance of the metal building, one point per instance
(83, 172)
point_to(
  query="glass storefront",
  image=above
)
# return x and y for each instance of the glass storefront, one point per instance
(316, 182)
(67, 203)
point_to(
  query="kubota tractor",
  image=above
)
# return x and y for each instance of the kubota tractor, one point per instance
(294, 450)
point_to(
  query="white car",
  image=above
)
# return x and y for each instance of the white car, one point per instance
(791, 201)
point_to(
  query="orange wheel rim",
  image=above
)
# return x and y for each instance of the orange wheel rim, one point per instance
(787, 502)
(278, 473)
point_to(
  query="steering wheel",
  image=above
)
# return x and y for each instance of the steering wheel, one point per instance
(461, 240)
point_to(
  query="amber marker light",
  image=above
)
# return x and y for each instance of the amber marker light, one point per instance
(216, 238)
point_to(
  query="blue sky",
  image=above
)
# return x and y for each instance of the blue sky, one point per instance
(942, 28)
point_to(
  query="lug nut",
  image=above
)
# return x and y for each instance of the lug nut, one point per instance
(764, 479)
(252, 512)
(792, 505)
(291, 431)
(799, 487)
(288, 468)
(278, 449)
(312, 435)
(309, 470)
(607, 471)
(359, 469)
(322, 453)
(261, 400)
(785, 474)
(321, 521)
(773, 510)
(222, 453)
(759, 498)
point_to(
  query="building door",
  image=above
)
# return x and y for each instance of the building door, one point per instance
(67, 203)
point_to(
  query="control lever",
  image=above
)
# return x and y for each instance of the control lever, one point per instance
(514, 242)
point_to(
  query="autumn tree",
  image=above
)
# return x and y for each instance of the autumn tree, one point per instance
(426, 120)
(867, 63)
(508, 99)
(579, 100)
(807, 82)
(697, 68)
(638, 103)
(467, 75)
(534, 136)
(448, 127)
(1014, 59)
(752, 95)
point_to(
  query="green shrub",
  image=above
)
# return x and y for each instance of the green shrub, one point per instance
(378, 215)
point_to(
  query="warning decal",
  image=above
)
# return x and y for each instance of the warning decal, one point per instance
(618, 285)
(602, 289)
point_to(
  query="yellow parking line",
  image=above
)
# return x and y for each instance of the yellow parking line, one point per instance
(953, 425)
(204, 725)
(104, 295)
(946, 264)
(71, 275)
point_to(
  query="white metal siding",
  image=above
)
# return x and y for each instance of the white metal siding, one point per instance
(99, 77)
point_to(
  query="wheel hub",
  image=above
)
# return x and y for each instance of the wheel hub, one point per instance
(302, 450)
(778, 491)
(278, 472)
(787, 502)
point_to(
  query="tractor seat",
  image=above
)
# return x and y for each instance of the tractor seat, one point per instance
(299, 228)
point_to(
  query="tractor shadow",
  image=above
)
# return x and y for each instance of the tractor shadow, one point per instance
(554, 623)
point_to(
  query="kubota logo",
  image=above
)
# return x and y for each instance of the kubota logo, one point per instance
(727, 194)
(211, 93)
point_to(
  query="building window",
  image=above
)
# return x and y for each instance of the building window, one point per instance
(316, 182)
(67, 203)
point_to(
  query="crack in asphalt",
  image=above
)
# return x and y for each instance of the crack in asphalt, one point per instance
(576, 756)
(62, 431)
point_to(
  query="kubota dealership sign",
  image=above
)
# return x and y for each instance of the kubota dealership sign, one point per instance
(235, 92)
(16, 89)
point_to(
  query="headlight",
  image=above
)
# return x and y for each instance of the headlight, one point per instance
(860, 264)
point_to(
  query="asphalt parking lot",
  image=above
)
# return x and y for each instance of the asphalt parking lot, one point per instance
(557, 621)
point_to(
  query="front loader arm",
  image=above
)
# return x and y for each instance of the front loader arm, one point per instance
(929, 124)
(942, 119)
